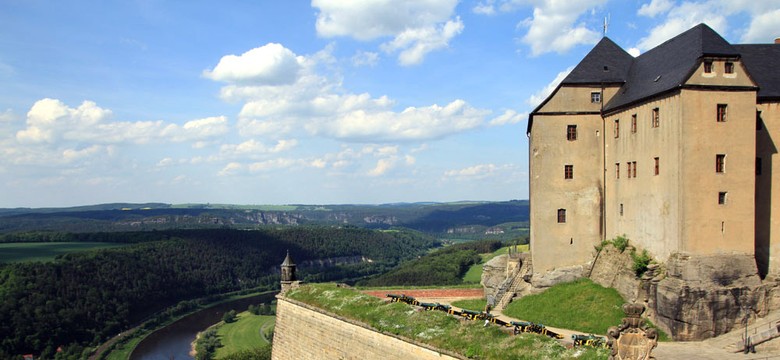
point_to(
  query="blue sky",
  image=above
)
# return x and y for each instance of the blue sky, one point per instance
(281, 102)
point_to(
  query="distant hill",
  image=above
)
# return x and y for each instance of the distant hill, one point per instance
(454, 220)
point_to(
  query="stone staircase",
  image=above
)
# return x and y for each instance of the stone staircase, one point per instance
(763, 330)
(512, 284)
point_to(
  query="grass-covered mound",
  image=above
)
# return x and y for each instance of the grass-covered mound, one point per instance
(436, 328)
(580, 305)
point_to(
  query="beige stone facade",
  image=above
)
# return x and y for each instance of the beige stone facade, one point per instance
(674, 149)
(306, 333)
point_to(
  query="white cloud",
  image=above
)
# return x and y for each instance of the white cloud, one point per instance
(382, 167)
(485, 8)
(716, 14)
(655, 7)
(316, 104)
(537, 98)
(418, 27)
(365, 58)
(414, 44)
(763, 28)
(507, 118)
(634, 51)
(271, 64)
(553, 28)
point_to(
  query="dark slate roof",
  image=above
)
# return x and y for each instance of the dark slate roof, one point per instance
(288, 260)
(605, 63)
(763, 64)
(668, 66)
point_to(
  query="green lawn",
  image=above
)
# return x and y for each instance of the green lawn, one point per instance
(580, 305)
(46, 251)
(247, 333)
(471, 304)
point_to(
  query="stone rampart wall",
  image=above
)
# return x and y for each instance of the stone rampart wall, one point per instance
(303, 332)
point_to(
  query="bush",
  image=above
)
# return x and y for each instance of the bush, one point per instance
(640, 262)
(229, 316)
(620, 243)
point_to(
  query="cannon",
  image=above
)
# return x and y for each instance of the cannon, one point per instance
(589, 340)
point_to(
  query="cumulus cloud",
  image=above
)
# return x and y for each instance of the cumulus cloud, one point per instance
(655, 7)
(679, 17)
(484, 8)
(554, 27)
(271, 64)
(418, 27)
(365, 58)
(507, 118)
(316, 104)
(542, 94)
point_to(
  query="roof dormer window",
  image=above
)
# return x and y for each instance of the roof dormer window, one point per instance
(729, 69)
(595, 97)
(708, 66)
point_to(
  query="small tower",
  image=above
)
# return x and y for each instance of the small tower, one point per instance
(288, 273)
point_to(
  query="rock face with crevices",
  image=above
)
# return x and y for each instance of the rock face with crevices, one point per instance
(493, 275)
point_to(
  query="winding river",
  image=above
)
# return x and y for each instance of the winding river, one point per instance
(173, 341)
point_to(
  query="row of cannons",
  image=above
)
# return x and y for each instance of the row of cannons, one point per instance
(630, 340)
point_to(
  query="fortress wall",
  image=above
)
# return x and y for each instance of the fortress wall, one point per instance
(303, 332)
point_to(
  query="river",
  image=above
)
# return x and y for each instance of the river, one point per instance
(173, 341)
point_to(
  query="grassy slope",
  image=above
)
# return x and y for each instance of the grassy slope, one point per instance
(437, 328)
(243, 334)
(580, 305)
(47, 251)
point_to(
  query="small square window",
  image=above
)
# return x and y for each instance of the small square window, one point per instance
(633, 123)
(571, 132)
(707, 67)
(729, 68)
(568, 172)
(595, 97)
(722, 112)
(722, 198)
(656, 118)
(720, 163)
(561, 216)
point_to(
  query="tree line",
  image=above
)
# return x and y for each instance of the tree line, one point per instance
(82, 299)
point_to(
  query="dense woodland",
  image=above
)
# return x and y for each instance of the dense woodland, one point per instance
(85, 298)
(445, 266)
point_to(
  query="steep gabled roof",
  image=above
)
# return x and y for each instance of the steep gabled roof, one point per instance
(763, 64)
(668, 66)
(605, 63)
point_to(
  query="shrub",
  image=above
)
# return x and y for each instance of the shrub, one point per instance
(640, 262)
(620, 243)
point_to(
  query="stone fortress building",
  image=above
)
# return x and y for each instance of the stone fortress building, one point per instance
(673, 149)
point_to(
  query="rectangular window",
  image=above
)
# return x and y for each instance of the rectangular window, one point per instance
(758, 166)
(707, 67)
(617, 128)
(561, 215)
(656, 118)
(722, 198)
(621, 209)
(729, 68)
(571, 132)
(633, 123)
(720, 163)
(628, 169)
(722, 112)
(633, 171)
(657, 167)
(595, 97)
(568, 172)
(617, 170)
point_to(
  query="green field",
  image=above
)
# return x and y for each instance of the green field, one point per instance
(248, 332)
(47, 251)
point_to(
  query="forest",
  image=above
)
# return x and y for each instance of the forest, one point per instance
(444, 266)
(82, 299)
